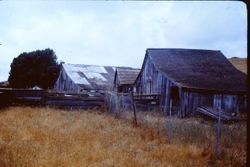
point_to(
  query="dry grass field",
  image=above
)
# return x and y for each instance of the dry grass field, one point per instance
(239, 63)
(51, 137)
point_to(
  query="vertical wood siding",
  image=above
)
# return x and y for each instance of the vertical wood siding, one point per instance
(65, 84)
(190, 101)
(116, 83)
(151, 81)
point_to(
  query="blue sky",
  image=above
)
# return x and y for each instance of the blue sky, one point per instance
(118, 33)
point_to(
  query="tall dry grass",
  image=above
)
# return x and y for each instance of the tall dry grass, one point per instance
(200, 133)
(51, 137)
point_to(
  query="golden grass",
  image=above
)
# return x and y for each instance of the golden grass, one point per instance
(51, 137)
(240, 64)
(199, 133)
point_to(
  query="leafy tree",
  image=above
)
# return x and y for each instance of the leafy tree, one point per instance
(39, 68)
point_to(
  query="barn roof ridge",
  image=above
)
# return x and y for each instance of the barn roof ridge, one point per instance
(187, 49)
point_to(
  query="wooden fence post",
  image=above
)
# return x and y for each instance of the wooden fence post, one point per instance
(218, 132)
(110, 101)
(44, 98)
(134, 109)
(169, 124)
(114, 105)
(119, 105)
(122, 102)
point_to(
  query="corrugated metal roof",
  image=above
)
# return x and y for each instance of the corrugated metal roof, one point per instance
(126, 75)
(90, 76)
(199, 69)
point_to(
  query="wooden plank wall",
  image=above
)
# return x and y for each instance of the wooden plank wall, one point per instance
(64, 83)
(151, 81)
(190, 101)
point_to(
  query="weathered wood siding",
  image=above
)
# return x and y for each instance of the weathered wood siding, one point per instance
(116, 83)
(231, 103)
(65, 84)
(190, 101)
(151, 81)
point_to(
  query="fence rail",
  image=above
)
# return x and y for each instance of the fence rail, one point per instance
(124, 101)
(46, 98)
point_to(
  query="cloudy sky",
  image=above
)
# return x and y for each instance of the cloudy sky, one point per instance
(118, 33)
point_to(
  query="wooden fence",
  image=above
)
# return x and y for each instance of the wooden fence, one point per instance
(45, 98)
(120, 103)
(74, 101)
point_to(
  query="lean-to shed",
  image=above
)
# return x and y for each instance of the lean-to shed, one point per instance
(79, 78)
(125, 78)
(199, 78)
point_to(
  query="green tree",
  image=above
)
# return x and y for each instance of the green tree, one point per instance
(37, 68)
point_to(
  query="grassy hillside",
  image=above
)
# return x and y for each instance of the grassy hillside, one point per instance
(239, 63)
(50, 137)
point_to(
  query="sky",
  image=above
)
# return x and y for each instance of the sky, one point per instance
(117, 33)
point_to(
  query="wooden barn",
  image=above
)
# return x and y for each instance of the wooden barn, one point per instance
(79, 78)
(196, 78)
(125, 78)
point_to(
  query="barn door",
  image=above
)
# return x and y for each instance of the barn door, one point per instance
(174, 96)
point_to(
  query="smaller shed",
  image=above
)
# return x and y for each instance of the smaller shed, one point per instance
(125, 78)
(82, 78)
